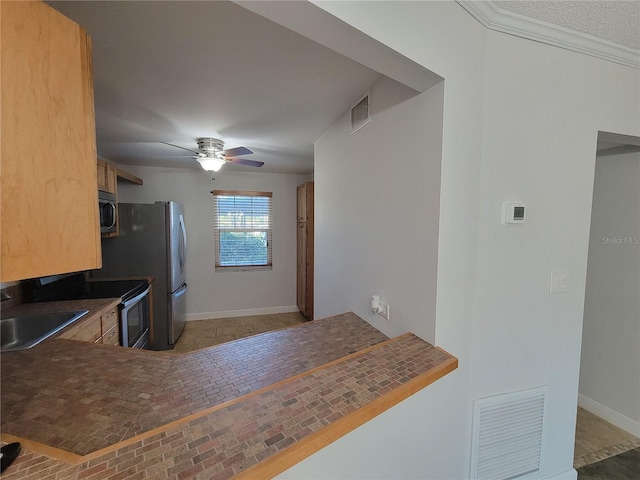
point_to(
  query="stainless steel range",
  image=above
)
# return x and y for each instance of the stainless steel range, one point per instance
(134, 306)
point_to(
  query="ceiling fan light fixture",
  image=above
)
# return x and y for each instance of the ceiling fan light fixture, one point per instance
(211, 164)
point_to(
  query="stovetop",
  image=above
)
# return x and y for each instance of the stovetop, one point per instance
(74, 287)
(115, 288)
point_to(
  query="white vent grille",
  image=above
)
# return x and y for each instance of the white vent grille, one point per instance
(360, 114)
(508, 433)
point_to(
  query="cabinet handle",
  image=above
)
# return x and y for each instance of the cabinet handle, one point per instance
(113, 334)
(111, 314)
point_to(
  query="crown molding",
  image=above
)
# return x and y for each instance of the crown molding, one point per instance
(500, 20)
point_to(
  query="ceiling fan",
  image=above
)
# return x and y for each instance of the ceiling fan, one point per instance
(212, 156)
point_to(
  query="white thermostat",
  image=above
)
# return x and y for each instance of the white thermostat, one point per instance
(512, 212)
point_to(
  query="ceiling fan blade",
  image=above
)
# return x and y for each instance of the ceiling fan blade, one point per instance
(183, 148)
(245, 161)
(236, 152)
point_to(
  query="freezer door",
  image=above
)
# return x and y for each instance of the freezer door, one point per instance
(178, 309)
(177, 245)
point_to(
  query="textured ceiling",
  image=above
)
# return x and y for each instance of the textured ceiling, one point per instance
(614, 21)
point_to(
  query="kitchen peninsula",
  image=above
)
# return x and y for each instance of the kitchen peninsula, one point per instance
(86, 409)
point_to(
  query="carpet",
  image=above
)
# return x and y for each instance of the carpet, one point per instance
(624, 466)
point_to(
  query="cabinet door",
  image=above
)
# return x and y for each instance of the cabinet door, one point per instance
(86, 330)
(302, 202)
(107, 177)
(48, 174)
(301, 283)
(103, 181)
(112, 178)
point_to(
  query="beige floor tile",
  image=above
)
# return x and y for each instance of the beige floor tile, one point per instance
(593, 434)
(239, 330)
(205, 333)
(597, 439)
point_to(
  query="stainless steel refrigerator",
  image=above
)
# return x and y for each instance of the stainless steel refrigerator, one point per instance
(152, 241)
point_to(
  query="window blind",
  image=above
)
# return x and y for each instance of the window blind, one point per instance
(243, 229)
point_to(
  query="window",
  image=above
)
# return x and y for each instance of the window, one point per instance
(242, 230)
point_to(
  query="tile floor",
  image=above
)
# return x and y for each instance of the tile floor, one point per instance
(206, 333)
(597, 439)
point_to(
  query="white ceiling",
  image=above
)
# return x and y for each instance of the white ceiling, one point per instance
(174, 71)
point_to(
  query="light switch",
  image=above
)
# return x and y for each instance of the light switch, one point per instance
(559, 282)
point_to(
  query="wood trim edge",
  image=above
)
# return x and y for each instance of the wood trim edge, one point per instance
(44, 449)
(307, 446)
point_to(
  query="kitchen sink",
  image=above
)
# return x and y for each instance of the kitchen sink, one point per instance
(25, 331)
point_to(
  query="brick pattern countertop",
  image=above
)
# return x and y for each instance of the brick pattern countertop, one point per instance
(236, 437)
(81, 397)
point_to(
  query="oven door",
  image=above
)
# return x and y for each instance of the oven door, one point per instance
(134, 321)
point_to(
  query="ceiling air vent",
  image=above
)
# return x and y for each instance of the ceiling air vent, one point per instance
(508, 433)
(360, 114)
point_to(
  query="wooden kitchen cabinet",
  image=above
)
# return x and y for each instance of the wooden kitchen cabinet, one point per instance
(111, 337)
(50, 221)
(110, 320)
(100, 327)
(304, 250)
(85, 329)
(107, 177)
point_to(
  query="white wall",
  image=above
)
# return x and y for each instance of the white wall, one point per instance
(378, 223)
(610, 363)
(217, 294)
(520, 123)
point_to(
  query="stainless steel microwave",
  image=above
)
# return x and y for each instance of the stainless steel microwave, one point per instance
(108, 211)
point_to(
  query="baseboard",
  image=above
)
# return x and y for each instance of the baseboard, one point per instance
(619, 420)
(568, 475)
(241, 313)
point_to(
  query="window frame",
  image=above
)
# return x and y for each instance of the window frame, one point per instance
(218, 230)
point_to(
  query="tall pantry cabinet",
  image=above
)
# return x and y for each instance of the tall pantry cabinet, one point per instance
(304, 294)
(50, 221)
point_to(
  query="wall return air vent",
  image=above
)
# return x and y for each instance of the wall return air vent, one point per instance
(508, 433)
(360, 115)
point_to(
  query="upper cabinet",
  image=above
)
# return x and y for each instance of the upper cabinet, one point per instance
(107, 177)
(48, 174)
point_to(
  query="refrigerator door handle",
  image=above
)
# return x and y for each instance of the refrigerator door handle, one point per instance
(181, 291)
(183, 243)
(177, 313)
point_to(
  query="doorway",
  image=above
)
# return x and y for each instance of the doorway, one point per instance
(609, 392)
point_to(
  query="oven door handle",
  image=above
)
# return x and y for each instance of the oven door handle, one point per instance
(135, 299)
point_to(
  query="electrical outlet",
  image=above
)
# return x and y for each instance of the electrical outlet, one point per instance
(384, 310)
